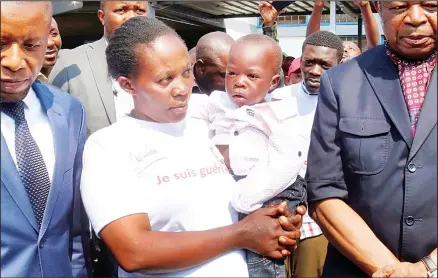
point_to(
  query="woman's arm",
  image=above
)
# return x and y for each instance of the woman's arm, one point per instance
(315, 18)
(136, 247)
(116, 205)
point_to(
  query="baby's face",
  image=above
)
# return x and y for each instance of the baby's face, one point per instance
(250, 74)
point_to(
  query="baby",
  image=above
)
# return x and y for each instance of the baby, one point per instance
(260, 140)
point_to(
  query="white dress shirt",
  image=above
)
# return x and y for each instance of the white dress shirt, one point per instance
(39, 127)
(265, 145)
(306, 103)
(123, 101)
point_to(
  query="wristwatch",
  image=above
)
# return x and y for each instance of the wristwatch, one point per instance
(430, 266)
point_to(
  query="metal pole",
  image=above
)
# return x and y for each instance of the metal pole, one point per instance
(333, 16)
(359, 31)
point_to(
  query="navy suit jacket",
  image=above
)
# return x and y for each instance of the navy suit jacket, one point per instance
(60, 247)
(362, 151)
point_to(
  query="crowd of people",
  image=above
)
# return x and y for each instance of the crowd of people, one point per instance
(133, 156)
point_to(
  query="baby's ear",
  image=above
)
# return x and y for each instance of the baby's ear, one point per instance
(274, 82)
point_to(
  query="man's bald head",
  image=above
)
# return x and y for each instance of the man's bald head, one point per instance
(213, 45)
(192, 55)
(211, 60)
(267, 44)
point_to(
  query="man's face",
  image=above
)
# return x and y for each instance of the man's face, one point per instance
(294, 78)
(115, 13)
(24, 35)
(410, 27)
(53, 45)
(351, 50)
(211, 74)
(314, 62)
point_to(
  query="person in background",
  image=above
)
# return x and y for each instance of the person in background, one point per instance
(44, 228)
(350, 48)
(211, 61)
(166, 209)
(287, 61)
(269, 26)
(83, 73)
(372, 159)
(192, 55)
(321, 51)
(294, 75)
(53, 46)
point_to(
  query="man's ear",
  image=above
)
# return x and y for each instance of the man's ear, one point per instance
(274, 82)
(101, 16)
(126, 84)
(199, 66)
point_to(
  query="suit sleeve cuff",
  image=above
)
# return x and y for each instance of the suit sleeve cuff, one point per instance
(321, 190)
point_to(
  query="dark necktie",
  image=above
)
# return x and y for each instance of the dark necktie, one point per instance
(30, 162)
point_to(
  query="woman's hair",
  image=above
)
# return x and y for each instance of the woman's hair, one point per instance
(122, 55)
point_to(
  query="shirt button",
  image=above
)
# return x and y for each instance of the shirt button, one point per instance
(412, 168)
(236, 133)
(409, 220)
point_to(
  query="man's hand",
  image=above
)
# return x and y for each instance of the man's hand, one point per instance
(269, 13)
(402, 270)
(361, 4)
(319, 4)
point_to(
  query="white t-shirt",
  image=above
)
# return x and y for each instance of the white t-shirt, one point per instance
(171, 172)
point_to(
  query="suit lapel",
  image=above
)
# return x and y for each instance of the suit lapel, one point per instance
(428, 118)
(384, 79)
(59, 126)
(12, 181)
(97, 59)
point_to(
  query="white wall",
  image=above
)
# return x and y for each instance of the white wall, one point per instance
(239, 27)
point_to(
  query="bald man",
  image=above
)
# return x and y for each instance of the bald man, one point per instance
(211, 60)
(44, 228)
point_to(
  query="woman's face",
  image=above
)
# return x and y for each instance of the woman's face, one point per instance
(164, 81)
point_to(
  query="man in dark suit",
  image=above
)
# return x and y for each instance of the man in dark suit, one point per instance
(372, 180)
(44, 229)
(83, 72)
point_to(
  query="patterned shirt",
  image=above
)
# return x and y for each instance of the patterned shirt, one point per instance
(414, 79)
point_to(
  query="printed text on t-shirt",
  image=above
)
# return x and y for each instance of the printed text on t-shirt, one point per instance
(192, 173)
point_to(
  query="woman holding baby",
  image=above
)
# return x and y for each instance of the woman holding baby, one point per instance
(159, 215)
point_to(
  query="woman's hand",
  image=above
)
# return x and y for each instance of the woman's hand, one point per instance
(262, 232)
(290, 222)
